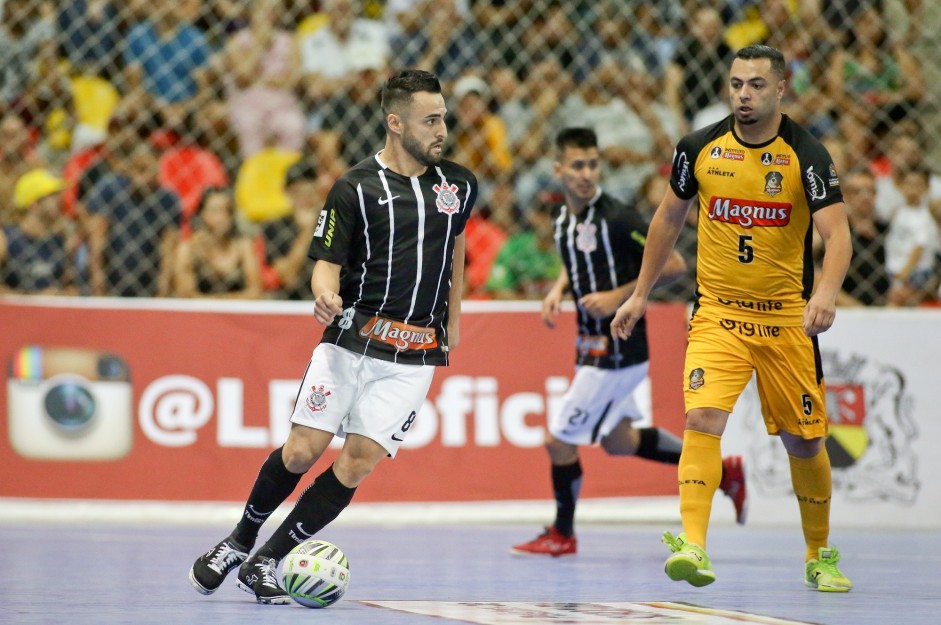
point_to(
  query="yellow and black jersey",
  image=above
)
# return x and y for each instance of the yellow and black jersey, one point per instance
(755, 230)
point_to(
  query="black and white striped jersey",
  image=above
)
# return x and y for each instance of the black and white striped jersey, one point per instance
(393, 237)
(602, 248)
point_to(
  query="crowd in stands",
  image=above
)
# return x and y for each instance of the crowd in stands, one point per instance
(183, 149)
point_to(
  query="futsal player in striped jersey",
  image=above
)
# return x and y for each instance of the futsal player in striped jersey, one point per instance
(387, 277)
(601, 241)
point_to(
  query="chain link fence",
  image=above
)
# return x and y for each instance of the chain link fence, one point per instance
(188, 145)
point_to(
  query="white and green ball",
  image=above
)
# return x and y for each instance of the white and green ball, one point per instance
(316, 573)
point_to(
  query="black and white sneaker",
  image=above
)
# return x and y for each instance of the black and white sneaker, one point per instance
(259, 576)
(210, 569)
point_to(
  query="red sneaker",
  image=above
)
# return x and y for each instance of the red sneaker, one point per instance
(733, 485)
(549, 543)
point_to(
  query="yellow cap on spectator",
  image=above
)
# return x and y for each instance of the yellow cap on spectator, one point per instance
(33, 186)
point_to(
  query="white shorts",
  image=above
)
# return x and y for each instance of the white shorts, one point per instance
(367, 396)
(596, 402)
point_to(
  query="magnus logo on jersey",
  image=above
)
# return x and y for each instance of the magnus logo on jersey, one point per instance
(400, 335)
(748, 213)
(447, 200)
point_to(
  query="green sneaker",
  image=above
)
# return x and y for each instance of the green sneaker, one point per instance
(823, 574)
(689, 562)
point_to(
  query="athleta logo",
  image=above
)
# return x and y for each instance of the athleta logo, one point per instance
(447, 200)
(747, 215)
(317, 400)
(400, 335)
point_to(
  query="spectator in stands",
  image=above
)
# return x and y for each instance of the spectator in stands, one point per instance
(545, 95)
(37, 250)
(402, 16)
(328, 53)
(133, 226)
(90, 36)
(696, 75)
(262, 66)
(189, 167)
(217, 261)
(17, 156)
(433, 36)
(904, 152)
(635, 135)
(553, 33)
(480, 137)
(348, 127)
(623, 38)
(877, 80)
(912, 243)
(287, 240)
(24, 31)
(163, 58)
(866, 282)
(487, 230)
(528, 264)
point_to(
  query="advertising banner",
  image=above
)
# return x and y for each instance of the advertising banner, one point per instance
(883, 395)
(182, 401)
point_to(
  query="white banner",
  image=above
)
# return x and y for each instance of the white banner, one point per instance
(883, 401)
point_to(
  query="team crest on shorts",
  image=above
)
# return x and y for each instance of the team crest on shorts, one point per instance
(447, 200)
(317, 400)
(696, 378)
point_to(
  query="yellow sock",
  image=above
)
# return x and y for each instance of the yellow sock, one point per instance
(813, 484)
(700, 472)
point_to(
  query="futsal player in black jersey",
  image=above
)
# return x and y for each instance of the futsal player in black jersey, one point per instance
(601, 241)
(387, 277)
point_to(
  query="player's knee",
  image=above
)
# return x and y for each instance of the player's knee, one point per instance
(298, 457)
(560, 452)
(352, 470)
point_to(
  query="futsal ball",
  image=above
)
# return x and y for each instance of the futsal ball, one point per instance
(316, 573)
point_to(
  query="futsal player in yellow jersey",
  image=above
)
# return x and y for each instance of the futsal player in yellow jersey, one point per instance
(762, 184)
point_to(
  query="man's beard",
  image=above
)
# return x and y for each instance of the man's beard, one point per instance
(415, 149)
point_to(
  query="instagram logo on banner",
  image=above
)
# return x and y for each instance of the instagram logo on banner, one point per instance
(69, 404)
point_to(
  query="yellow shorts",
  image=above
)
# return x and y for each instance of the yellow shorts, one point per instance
(720, 359)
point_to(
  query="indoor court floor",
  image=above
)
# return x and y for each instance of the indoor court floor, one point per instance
(114, 573)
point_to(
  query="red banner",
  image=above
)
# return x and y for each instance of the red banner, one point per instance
(168, 400)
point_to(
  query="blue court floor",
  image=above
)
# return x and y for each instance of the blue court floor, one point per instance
(56, 573)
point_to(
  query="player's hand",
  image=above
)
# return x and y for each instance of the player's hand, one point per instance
(551, 307)
(601, 304)
(819, 315)
(627, 316)
(327, 306)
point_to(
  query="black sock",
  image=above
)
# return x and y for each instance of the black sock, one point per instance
(566, 482)
(660, 445)
(315, 508)
(273, 485)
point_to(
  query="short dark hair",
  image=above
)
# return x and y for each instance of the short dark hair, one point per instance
(210, 191)
(576, 137)
(399, 89)
(758, 51)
